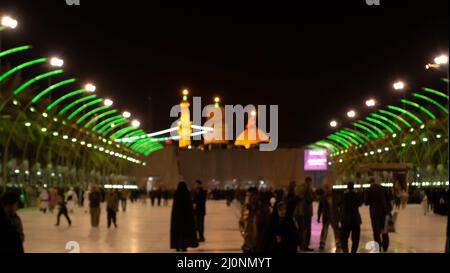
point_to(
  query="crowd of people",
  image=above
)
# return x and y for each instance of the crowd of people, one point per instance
(280, 221)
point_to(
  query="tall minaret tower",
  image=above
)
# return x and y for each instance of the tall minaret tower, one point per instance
(185, 121)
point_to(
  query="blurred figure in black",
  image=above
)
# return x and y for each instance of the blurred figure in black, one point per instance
(199, 205)
(351, 219)
(11, 229)
(380, 206)
(165, 197)
(62, 210)
(158, 194)
(281, 234)
(182, 223)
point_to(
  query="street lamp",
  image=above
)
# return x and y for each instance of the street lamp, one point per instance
(351, 114)
(438, 61)
(333, 123)
(90, 87)
(57, 62)
(370, 103)
(135, 123)
(8, 22)
(108, 102)
(126, 114)
(399, 85)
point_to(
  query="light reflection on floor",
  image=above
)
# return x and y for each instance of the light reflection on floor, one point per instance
(143, 228)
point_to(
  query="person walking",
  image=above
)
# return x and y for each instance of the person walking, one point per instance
(53, 199)
(44, 197)
(351, 219)
(123, 199)
(182, 223)
(199, 205)
(112, 206)
(86, 199)
(158, 194)
(62, 210)
(71, 199)
(281, 234)
(153, 196)
(380, 206)
(165, 196)
(305, 214)
(328, 211)
(94, 206)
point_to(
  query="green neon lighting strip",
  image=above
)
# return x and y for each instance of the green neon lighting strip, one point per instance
(371, 133)
(381, 124)
(353, 135)
(105, 121)
(327, 142)
(35, 79)
(114, 121)
(68, 107)
(342, 139)
(396, 116)
(90, 113)
(357, 133)
(49, 89)
(71, 94)
(440, 106)
(314, 147)
(14, 50)
(112, 128)
(328, 147)
(346, 137)
(423, 109)
(406, 113)
(445, 80)
(343, 143)
(387, 120)
(99, 117)
(121, 132)
(433, 91)
(132, 134)
(379, 131)
(81, 108)
(22, 66)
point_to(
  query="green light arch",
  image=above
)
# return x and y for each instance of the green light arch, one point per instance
(381, 124)
(406, 113)
(78, 101)
(21, 66)
(122, 132)
(339, 140)
(94, 119)
(35, 79)
(396, 117)
(51, 88)
(14, 50)
(387, 120)
(371, 133)
(90, 113)
(425, 98)
(98, 125)
(350, 134)
(436, 92)
(66, 96)
(356, 132)
(379, 131)
(420, 107)
(346, 137)
(81, 108)
(116, 126)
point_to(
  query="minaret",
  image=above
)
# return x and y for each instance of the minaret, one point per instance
(217, 136)
(185, 122)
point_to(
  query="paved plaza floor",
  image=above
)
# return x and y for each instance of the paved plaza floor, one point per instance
(143, 228)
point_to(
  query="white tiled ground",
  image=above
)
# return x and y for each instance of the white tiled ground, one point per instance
(143, 228)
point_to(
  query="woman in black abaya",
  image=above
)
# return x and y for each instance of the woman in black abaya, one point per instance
(182, 224)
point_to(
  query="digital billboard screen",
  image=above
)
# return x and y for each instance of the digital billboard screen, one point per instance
(315, 160)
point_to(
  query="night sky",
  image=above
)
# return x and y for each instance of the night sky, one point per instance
(315, 61)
